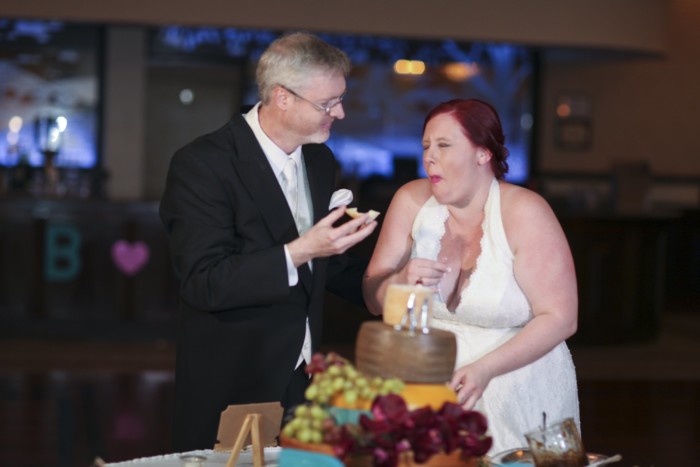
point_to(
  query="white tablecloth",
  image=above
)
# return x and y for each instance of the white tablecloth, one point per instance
(214, 458)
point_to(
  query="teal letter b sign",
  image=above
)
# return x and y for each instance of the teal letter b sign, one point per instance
(62, 260)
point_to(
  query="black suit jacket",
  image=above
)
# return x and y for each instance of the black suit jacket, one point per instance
(241, 327)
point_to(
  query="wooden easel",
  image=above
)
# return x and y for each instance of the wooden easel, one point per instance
(251, 425)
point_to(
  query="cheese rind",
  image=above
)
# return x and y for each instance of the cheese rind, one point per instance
(354, 213)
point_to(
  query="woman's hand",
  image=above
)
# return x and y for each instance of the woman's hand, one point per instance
(470, 383)
(424, 271)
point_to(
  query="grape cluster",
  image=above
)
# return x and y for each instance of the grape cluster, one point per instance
(334, 376)
(310, 423)
(320, 363)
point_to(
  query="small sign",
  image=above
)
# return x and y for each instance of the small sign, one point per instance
(234, 416)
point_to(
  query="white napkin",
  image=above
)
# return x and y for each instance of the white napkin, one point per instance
(340, 197)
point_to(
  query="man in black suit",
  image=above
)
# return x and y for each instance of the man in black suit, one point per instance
(254, 244)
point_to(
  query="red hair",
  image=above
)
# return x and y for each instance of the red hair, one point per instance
(481, 125)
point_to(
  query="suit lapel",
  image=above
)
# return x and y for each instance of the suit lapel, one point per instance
(258, 178)
(260, 181)
(317, 177)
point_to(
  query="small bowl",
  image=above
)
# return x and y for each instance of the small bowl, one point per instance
(524, 456)
(351, 416)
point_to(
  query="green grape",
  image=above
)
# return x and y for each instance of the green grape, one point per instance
(316, 424)
(365, 393)
(295, 423)
(316, 436)
(338, 377)
(304, 435)
(311, 392)
(301, 411)
(350, 396)
(288, 430)
(338, 383)
(317, 412)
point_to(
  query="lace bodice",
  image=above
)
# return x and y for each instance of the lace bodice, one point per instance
(492, 298)
(492, 309)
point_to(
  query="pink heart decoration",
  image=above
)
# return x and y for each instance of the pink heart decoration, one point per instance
(130, 258)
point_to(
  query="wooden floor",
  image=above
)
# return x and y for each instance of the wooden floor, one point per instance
(64, 403)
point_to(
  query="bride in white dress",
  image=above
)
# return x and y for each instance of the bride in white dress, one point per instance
(501, 268)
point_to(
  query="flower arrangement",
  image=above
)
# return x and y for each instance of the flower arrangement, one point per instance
(389, 431)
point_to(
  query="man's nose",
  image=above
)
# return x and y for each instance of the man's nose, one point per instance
(338, 111)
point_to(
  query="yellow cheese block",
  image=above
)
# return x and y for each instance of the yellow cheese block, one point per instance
(433, 395)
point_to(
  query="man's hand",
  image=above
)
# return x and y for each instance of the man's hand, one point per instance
(323, 239)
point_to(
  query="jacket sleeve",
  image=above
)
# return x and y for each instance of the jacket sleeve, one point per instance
(345, 277)
(220, 266)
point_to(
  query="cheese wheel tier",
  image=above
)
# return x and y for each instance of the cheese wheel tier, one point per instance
(414, 357)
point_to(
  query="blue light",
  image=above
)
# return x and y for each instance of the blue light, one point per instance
(384, 119)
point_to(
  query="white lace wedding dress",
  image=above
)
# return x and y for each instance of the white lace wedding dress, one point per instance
(491, 310)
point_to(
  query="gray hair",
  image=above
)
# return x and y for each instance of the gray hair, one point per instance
(291, 58)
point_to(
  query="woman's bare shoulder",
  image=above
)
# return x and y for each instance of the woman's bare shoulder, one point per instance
(414, 193)
(527, 216)
(520, 202)
(405, 204)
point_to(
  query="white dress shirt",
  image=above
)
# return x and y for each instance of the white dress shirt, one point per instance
(277, 159)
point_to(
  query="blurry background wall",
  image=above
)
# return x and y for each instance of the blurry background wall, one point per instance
(615, 152)
(615, 126)
(630, 61)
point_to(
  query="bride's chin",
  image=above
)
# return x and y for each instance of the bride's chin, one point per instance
(440, 196)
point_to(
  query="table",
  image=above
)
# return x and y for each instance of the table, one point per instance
(214, 458)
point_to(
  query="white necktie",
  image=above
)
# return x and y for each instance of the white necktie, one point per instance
(289, 173)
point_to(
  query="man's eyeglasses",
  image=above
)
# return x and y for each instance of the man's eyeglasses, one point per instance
(323, 108)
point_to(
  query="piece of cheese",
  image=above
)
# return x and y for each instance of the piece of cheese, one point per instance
(354, 213)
